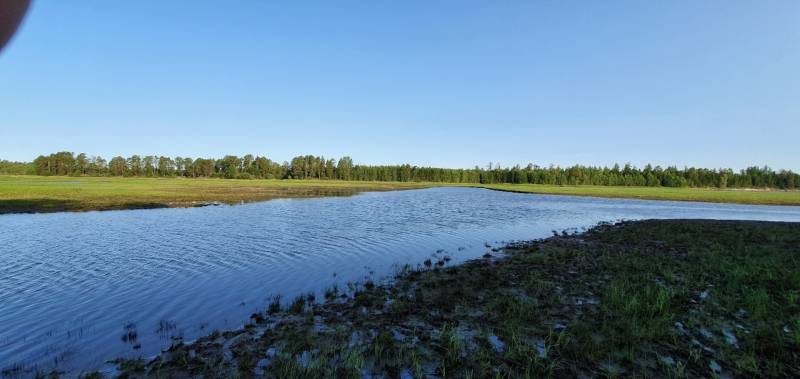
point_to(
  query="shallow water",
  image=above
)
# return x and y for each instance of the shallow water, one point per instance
(72, 282)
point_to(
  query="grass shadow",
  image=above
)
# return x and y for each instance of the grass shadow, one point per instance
(46, 205)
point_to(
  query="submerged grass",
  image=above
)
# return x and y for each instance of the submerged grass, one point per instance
(679, 298)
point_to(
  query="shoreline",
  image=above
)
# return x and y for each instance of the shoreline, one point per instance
(695, 195)
(652, 297)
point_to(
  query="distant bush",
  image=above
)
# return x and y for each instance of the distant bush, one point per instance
(16, 168)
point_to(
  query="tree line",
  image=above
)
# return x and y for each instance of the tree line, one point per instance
(16, 168)
(318, 167)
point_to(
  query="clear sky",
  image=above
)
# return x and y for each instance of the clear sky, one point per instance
(441, 83)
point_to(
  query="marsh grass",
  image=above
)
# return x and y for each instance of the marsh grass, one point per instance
(298, 306)
(34, 194)
(274, 305)
(675, 299)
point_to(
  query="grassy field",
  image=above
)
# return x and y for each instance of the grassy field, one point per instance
(52, 194)
(667, 298)
(775, 197)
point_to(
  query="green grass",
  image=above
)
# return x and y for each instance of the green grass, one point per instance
(53, 194)
(657, 298)
(714, 195)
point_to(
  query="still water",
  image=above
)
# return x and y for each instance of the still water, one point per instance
(72, 284)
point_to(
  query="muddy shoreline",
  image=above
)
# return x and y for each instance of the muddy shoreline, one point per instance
(679, 298)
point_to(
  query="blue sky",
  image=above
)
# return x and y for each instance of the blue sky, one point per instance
(441, 83)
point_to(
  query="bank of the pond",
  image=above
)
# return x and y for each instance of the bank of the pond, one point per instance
(40, 194)
(666, 298)
(711, 195)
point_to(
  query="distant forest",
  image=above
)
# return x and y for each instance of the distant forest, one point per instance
(312, 167)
